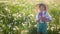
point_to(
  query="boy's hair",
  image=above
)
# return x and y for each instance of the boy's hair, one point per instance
(45, 7)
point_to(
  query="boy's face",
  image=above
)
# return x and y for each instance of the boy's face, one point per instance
(41, 8)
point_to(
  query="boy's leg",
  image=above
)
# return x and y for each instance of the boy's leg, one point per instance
(39, 29)
(44, 28)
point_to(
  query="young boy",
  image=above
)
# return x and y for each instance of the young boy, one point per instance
(42, 17)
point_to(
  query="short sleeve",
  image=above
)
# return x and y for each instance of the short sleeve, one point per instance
(37, 17)
(49, 16)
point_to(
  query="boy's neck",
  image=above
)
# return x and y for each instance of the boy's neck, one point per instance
(42, 11)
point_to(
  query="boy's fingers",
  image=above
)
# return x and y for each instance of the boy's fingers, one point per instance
(43, 18)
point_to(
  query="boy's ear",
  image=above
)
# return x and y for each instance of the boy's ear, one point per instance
(47, 7)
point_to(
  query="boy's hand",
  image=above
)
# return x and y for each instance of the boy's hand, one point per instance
(38, 20)
(43, 19)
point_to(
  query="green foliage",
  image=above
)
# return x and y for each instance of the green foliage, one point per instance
(16, 18)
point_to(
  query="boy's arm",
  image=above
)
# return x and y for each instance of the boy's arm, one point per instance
(37, 19)
(42, 19)
(49, 17)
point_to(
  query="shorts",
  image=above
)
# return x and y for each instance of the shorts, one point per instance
(42, 27)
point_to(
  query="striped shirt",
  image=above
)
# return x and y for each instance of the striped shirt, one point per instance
(43, 14)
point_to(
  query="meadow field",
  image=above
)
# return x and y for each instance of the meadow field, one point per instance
(18, 16)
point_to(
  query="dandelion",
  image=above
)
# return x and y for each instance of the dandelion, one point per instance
(14, 15)
(14, 29)
(19, 15)
(29, 24)
(47, 28)
(57, 27)
(32, 21)
(1, 20)
(6, 8)
(15, 22)
(9, 25)
(52, 28)
(1, 29)
(3, 25)
(3, 15)
(56, 5)
(35, 25)
(59, 32)
(23, 13)
(15, 18)
(23, 24)
(53, 18)
(32, 15)
(14, 3)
